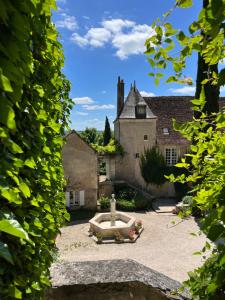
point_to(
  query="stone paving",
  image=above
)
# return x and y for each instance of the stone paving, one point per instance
(163, 246)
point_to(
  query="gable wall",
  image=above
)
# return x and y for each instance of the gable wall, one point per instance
(81, 168)
(130, 134)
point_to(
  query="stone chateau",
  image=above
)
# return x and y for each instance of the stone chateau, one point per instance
(141, 122)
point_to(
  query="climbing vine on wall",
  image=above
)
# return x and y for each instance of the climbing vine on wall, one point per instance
(34, 110)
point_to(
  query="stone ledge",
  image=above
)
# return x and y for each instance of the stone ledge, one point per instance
(112, 271)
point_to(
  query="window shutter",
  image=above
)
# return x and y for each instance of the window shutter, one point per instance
(82, 202)
(67, 199)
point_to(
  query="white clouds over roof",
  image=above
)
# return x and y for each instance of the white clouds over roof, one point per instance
(185, 90)
(146, 94)
(127, 37)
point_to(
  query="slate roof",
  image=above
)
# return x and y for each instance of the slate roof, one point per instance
(134, 98)
(166, 108)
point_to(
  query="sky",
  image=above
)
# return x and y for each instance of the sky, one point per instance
(104, 39)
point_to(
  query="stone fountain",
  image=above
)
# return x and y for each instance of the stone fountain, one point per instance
(108, 224)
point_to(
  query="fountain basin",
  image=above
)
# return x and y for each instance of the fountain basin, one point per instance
(102, 224)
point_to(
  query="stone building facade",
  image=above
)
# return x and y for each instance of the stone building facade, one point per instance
(144, 122)
(141, 122)
(80, 163)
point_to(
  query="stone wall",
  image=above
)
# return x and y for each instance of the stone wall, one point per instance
(80, 165)
(106, 188)
(115, 279)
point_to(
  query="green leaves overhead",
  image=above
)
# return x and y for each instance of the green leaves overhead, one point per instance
(206, 36)
(205, 164)
(34, 114)
(184, 3)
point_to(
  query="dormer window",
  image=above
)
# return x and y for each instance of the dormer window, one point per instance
(140, 111)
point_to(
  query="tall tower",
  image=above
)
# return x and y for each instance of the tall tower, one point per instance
(135, 130)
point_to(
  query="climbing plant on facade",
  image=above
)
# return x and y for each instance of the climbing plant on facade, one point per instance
(34, 110)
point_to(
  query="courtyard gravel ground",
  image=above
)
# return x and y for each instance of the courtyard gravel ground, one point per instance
(163, 246)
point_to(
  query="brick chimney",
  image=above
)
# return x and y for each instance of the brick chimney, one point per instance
(120, 96)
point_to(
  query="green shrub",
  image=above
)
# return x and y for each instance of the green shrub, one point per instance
(126, 193)
(181, 189)
(153, 166)
(142, 203)
(104, 202)
(187, 200)
(126, 205)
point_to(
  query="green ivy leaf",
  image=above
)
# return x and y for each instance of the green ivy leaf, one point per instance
(15, 292)
(5, 253)
(5, 82)
(13, 227)
(24, 189)
(29, 162)
(7, 115)
(184, 3)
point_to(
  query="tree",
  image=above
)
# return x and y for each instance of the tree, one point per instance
(106, 133)
(204, 71)
(206, 37)
(90, 135)
(153, 166)
(34, 111)
(205, 163)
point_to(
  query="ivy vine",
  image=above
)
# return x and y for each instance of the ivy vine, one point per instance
(34, 111)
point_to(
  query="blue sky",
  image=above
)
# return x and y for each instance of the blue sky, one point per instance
(104, 39)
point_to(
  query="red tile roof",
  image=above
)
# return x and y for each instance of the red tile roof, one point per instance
(167, 108)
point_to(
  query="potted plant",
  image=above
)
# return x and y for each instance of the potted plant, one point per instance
(118, 237)
(138, 226)
(99, 237)
(131, 234)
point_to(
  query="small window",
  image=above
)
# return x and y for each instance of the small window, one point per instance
(140, 111)
(165, 131)
(171, 156)
(145, 137)
(137, 155)
(74, 198)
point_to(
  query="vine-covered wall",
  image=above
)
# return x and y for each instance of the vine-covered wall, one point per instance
(34, 110)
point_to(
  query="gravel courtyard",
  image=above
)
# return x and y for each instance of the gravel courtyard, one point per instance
(162, 246)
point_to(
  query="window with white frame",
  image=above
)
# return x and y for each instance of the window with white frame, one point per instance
(75, 198)
(171, 156)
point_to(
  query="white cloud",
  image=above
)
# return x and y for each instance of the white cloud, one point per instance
(147, 94)
(79, 40)
(68, 22)
(185, 90)
(81, 113)
(83, 100)
(222, 89)
(132, 42)
(95, 37)
(116, 25)
(98, 107)
(86, 17)
(127, 37)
